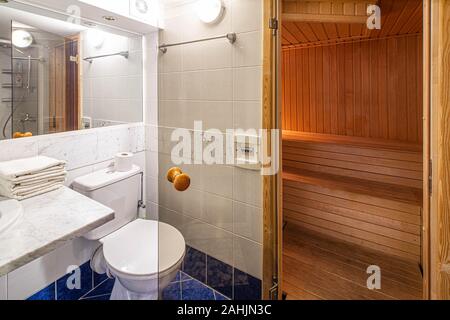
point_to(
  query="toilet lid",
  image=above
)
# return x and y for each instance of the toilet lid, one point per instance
(134, 249)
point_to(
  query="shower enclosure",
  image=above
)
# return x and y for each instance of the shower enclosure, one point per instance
(32, 83)
(20, 93)
(6, 84)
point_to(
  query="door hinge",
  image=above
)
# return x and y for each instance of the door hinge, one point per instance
(430, 176)
(273, 24)
(273, 292)
(74, 59)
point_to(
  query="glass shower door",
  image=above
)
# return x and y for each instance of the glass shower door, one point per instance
(6, 84)
(209, 177)
(25, 92)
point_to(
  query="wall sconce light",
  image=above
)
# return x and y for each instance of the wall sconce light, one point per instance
(21, 38)
(209, 11)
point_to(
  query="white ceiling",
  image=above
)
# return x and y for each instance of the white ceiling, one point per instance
(91, 13)
(50, 25)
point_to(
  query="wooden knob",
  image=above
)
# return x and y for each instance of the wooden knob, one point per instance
(180, 180)
(172, 173)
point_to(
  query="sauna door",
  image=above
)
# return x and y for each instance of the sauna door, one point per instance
(64, 107)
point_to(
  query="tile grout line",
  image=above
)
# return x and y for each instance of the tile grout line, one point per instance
(100, 295)
(94, 288)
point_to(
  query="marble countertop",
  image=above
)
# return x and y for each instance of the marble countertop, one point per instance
(48, 222)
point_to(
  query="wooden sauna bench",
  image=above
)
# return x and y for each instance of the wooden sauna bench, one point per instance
(363, 191)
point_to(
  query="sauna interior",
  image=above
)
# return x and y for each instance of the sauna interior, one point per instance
(352, 111)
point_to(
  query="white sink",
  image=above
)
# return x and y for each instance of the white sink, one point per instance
(10, 211)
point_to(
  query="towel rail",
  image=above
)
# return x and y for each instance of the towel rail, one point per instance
(230, 36)
(29, 59)
(124, 54)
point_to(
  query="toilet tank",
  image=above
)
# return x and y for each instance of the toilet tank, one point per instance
(120, 191)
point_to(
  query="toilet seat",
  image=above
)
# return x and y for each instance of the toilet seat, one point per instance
(143, 249)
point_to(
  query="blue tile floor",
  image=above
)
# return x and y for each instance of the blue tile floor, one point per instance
(101, 291)
(183, 287)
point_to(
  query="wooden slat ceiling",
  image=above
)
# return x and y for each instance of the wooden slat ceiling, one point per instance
(399, 17)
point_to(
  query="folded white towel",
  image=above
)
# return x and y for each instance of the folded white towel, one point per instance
(35, 181)
(40, 191)
(22, 191)
(26, 178)
(15, 169)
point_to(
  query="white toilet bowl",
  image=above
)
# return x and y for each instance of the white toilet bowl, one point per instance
(144, 256)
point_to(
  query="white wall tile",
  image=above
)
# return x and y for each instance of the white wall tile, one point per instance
(247, 187)
(152, 164)
(3, 288)
(247, 115)
(247, 51)
(247, 15)
(119, 139)
(248, 83)
(209, 208)
(152, 189)
(172, 60)
(171, 86)
(214, 54)
(78, 150)
(216, 242)
(219, 84)
(248, 256)
(248, 221)
(18, 148)
(183, 113)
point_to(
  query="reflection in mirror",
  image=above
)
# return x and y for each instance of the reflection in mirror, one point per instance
(57, 76)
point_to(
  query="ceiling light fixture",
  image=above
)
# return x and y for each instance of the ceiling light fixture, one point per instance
(210, 11)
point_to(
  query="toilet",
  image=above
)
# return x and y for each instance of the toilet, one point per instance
(143, 256)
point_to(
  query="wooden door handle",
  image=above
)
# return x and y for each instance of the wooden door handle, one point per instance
(181, 181)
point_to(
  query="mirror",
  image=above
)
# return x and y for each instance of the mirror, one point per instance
(58, 76)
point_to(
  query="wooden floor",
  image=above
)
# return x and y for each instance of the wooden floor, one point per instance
(315, 267)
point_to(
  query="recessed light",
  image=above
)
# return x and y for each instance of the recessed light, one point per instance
(109, 18)
(89, 24)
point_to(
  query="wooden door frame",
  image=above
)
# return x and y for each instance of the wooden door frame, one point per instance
(440, 152)
(272, 210)
(426, 148)
(73, 120)
(436, 206)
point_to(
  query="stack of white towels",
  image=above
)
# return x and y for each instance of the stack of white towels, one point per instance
(25, 178)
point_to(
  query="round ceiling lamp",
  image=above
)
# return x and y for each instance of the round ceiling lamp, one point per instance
(22, 38)
(210, 11)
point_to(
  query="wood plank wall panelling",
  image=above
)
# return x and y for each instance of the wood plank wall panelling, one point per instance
(347, 8)
(312, 22)
(368, 89)
(363, 194)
